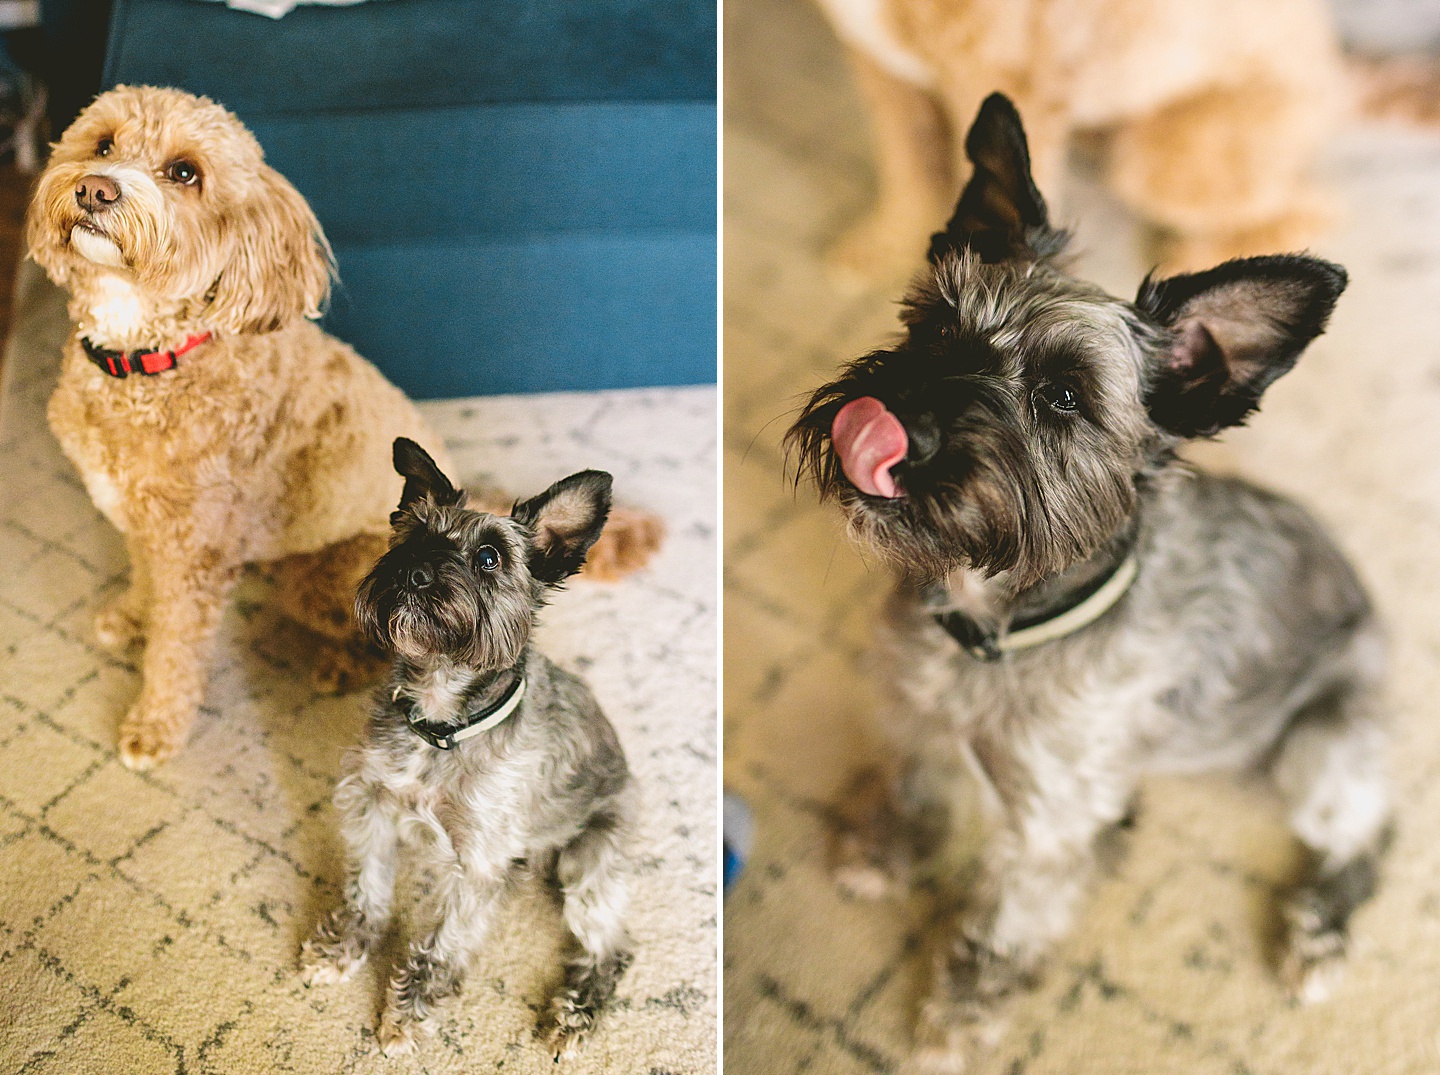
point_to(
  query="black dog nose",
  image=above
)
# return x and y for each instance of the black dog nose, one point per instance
(96, 192)
(924, 433)
(421, 576)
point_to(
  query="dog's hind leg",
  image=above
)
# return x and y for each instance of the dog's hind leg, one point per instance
(913, 152)
(592, 870)
(317, 591)
(343, 940)
(1330, 768)
(1223, 174)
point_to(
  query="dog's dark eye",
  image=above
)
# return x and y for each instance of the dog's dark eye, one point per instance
(487, 558)
(104, 146)
(182, 172)
(1061, 397)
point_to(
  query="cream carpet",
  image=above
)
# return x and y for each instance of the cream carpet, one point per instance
(1168, 969)
(150, 923)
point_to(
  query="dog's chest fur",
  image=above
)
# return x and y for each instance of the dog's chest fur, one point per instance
(115, 314)
(521, 788)
(1238, 610)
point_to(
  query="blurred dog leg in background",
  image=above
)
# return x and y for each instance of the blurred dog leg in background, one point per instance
(1210, 115)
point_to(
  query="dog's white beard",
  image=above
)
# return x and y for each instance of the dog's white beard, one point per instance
(96, 248)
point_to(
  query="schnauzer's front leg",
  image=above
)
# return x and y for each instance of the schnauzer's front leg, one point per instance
(1032, 879)
(888, 823)
(343, 940)
(189, 588)
(592, 870)
(464, 905)
(1331, 770)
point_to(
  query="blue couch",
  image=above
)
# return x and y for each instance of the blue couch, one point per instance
(521, 193)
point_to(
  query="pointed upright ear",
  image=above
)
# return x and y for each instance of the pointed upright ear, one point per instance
(1234, 330)
(280, 265)
(422, 478)
(1001, 214)
(567, 519)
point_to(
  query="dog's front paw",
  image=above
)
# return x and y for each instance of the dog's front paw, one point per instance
(1313, 960)
(952, 1038)
(326, 962)
(146, 743)
(863, 871)
(400, 1034)
(117, 628)
(570, 1023)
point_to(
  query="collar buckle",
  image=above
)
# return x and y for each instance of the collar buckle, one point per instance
(119, 364)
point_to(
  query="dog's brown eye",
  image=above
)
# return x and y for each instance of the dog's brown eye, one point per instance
(1060, 396)
(104, 146)
(487, 558)
(182, 172)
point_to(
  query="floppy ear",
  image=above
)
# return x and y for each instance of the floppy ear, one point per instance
(1001, 214)
(280, 265)
(567, 519)
(1235, 329)
(422, 478)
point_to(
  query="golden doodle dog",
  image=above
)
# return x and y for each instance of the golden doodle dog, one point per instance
(1210, 113)
(214, 424)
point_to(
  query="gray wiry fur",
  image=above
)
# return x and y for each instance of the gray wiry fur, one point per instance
(547, 785)
(1245, 643)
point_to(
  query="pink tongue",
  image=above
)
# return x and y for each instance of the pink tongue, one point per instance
(869, 441)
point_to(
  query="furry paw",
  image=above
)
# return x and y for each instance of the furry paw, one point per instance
(570, 1025)
(951, 1039)
(1314, 957)
(117, 628)
(863, 881)
(628, 542)
(863, 875)
(144, 744)
(870, 853)
(399, 1035)
(326, 963)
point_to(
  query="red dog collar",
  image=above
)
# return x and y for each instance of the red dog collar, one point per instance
(119, 363)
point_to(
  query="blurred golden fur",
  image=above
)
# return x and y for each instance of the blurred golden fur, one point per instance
(270, 442)
(1211, 113)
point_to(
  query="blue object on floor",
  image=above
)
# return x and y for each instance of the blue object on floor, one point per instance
(521, 194)
(739, 834)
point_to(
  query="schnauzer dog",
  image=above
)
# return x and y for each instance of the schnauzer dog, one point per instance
(1076, 607)
(481, 754)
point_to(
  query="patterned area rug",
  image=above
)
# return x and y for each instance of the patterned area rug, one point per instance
(1168, 970)
(150, 923)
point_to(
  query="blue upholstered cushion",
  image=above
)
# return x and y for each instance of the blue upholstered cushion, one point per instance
(521, 193)
(565, 312)
(501, 170)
